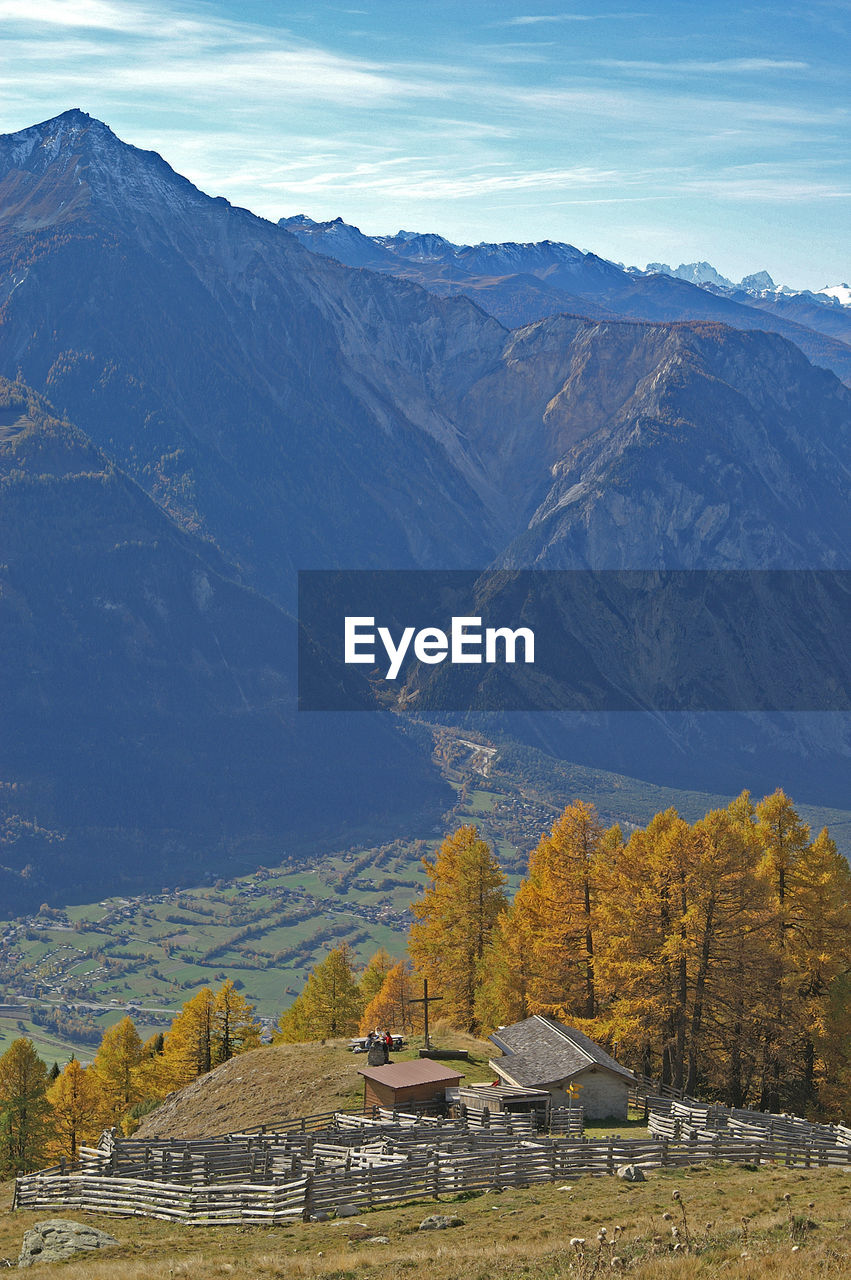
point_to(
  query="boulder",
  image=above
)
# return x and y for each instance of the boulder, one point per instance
(439, 1222)
(56, 1239)
(631, 1173)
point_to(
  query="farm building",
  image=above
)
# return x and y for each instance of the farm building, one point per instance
(540, 1053)
(506, 1100)
(399, 1083)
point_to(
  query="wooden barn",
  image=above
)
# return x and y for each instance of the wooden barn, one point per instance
(398, 1083)
(540, 1053)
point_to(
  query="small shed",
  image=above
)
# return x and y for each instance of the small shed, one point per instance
(541, 1053)
(397, 1083)
(506, 1100)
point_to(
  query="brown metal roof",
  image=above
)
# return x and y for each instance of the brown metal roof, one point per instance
(400, 1075)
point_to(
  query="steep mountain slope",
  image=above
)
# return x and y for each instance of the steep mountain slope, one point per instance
(259, 393)
(500, 276)
(147, 722)
(706, 452)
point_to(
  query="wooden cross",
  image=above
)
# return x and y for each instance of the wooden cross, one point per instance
(425, 1001)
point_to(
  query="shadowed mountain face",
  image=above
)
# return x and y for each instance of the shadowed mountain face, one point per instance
(522, 283)
(251, 408)
(148, 722)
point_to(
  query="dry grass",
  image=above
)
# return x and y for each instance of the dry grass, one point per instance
(278, 1082)
(737, 1223)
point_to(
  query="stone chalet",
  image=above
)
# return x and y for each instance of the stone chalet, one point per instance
(540, 1053)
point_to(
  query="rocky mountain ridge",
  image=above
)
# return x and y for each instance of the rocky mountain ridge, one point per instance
(522, 283)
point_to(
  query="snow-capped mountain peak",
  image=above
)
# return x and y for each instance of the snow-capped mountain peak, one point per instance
(841, 292)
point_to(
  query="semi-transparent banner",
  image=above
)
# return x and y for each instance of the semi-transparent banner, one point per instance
(575, 640)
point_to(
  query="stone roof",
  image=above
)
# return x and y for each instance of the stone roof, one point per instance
(540, 1051)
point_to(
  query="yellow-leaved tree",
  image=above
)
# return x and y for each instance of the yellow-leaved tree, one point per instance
(188, 1043)
(555, 915)
(372, 979)
(235, 1026)
(329, 1006)
(391, 1007)
(75, 1102)
(455, 922)
(24, 1109)
(120, 1073)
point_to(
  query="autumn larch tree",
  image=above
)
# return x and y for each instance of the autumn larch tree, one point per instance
(24, 1109)
(372, 979)
(74, 1101)
(330, 1005)
(391, 1006)
(234, 1025)
(118, 1072)
(455, 922)
(188, 1043)
(555, 911)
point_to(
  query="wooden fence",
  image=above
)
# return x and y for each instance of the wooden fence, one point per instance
(362, 1162)
(675, 1120)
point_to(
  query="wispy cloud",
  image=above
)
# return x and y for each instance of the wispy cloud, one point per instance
(763, 182)
(98, 14)
(722, 65)
(531, 20)
(407, 178)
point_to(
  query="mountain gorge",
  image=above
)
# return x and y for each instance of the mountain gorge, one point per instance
(244, 407)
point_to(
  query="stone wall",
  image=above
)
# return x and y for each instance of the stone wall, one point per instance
(602, 1094)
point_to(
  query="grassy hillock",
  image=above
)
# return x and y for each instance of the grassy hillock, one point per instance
(275, 1083)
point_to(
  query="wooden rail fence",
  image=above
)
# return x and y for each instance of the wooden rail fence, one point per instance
(267, 1176)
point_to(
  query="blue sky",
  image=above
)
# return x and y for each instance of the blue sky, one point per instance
(643, 131)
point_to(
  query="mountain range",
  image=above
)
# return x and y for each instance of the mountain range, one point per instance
(521, 283)
(198, 403)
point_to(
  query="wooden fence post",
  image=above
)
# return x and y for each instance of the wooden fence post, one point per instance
(308, 1198)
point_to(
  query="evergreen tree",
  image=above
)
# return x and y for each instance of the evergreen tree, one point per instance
(330, 1004)
(188, 1043)
(74, 1099)
(235, 1028)
(118, 1072)
(391, 1007)
(455, 922)
(24, 1109)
